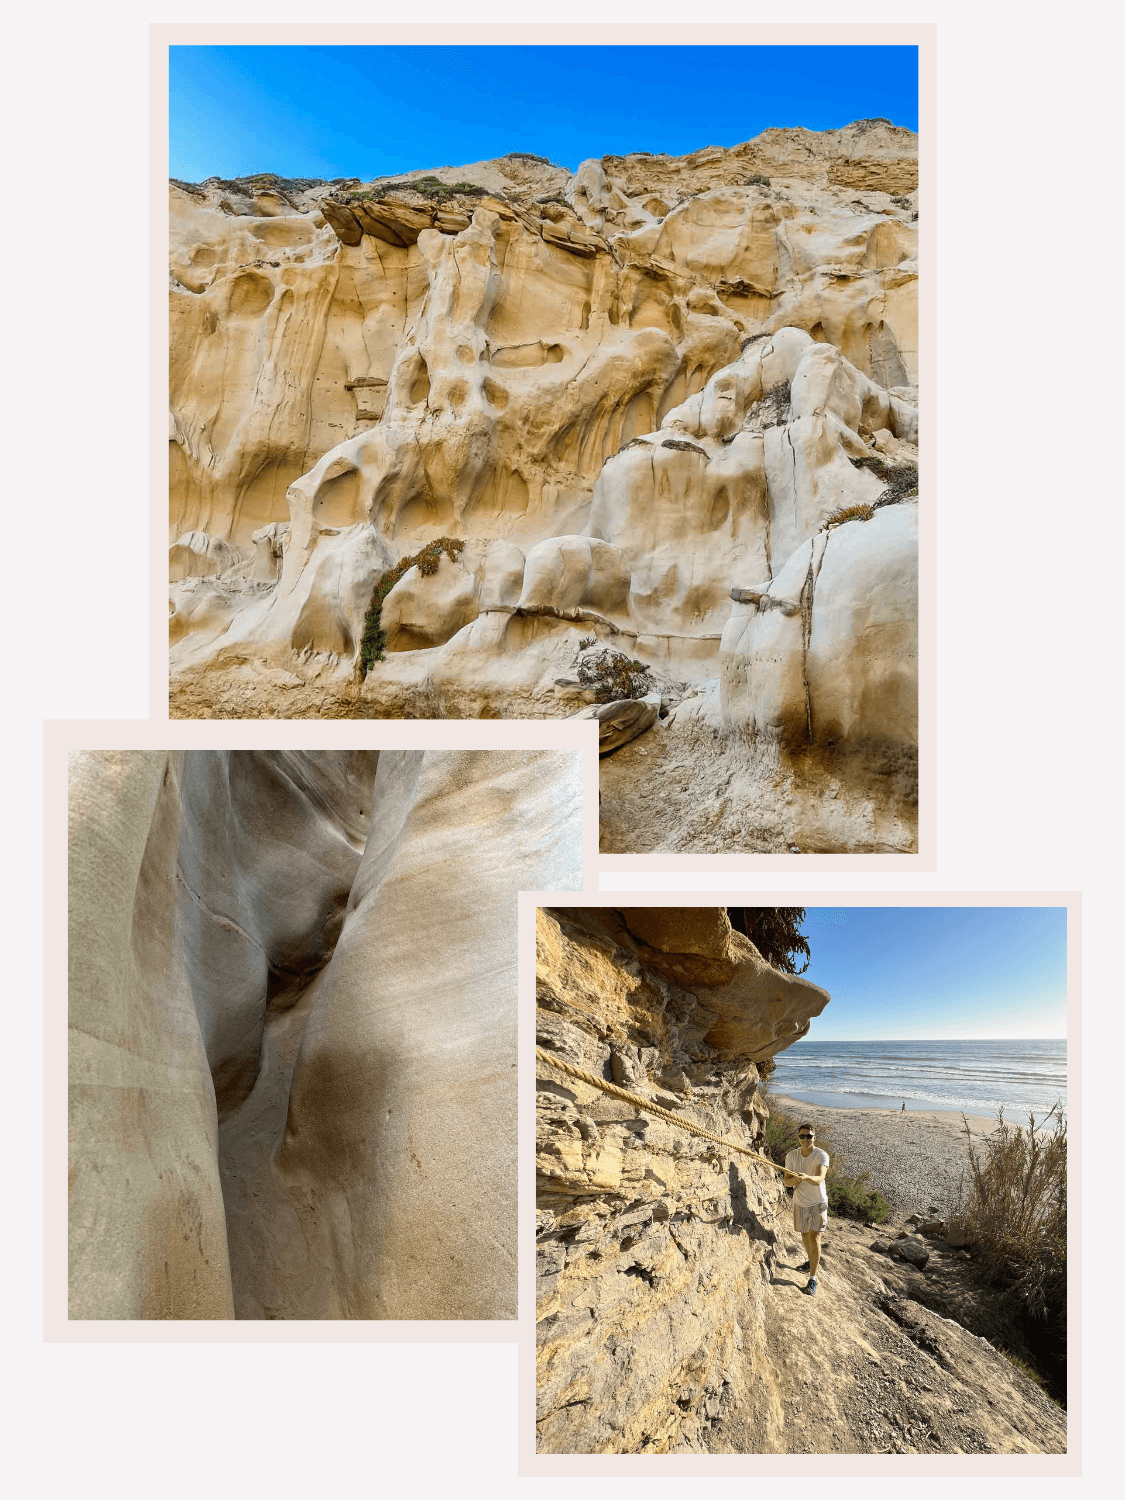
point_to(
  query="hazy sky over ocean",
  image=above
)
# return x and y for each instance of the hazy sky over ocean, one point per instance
(928, 972)
(370, 111)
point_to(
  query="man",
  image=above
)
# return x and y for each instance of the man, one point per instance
(805, 1170)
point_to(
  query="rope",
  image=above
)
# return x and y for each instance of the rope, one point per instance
(648, 1108)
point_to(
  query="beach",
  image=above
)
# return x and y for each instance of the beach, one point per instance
(915, 1159)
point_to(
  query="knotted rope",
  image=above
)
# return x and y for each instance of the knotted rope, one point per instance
(648, 1108)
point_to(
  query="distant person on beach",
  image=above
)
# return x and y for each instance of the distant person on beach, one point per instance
(806, 1167)
(904, 1106)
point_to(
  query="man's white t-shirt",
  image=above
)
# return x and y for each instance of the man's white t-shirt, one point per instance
(808, 1193)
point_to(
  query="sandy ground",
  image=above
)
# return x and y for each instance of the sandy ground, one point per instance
(915, 1159)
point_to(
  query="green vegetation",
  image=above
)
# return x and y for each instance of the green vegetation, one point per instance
(776, 933)
(613, 675)
(1032, 1374)
(854, 1197)
(877, 466)
(757, 180)
(587, 641)
(373, 645)
(848, 1197)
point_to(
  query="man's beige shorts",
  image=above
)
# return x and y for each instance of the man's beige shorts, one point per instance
(810, 1218)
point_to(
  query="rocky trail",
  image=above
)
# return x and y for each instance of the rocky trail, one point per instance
(874, 1363)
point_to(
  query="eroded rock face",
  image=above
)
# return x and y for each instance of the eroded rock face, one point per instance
(293, 1027)
(670, 1311)
(638, 394)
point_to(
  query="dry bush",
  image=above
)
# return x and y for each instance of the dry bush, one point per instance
(613, 675)
(1012, 1207)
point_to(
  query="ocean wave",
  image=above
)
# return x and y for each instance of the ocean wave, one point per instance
(971, 1105)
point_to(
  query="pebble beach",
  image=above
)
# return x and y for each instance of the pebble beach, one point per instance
(915, 1159)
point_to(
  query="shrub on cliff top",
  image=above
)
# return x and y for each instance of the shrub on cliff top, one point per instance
(776, 933)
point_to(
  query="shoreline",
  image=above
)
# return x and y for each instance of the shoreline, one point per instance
(978, 1124)
(914, 1159)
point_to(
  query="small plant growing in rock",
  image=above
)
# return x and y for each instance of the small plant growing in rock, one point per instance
(757, 180)
(902, 484)
(373, 645)
(614, 676)
(848, 513)
(587, 641)
(876, 465)
(771, 409)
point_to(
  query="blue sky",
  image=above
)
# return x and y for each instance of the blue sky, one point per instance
(938, 972)
(369, 111)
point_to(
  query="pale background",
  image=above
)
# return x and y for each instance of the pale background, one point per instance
(1026, 712)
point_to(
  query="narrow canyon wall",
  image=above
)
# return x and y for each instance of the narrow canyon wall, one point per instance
(670, 1310)
(650, 400)
(290, 974)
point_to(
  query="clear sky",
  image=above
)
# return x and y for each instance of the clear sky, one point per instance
(923, 973)
(371, 111)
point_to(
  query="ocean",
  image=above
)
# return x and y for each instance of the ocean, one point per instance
(973, 1077)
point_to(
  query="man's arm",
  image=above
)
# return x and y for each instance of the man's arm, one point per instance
(816, 1177)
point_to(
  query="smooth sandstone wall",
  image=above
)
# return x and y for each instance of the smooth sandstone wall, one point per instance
(147, 1231)
(326, 940)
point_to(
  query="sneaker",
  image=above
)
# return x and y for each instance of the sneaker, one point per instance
(811, 1287)
(804, 1267)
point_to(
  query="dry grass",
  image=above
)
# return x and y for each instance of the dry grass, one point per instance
(1012, 1207)
(848, 513)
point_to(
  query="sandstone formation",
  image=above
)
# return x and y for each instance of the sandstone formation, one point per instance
(670, 1311)
(663, 410)
(292, 1027)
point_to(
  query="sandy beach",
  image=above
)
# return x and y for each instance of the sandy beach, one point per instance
(915, 1159)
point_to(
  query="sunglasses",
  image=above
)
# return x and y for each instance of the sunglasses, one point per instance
(805, 1136)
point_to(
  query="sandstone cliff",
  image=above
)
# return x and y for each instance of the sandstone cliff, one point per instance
(292, 1027)
(666, 409)
(671, 1315)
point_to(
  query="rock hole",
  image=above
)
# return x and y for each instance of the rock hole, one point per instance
(420, 385)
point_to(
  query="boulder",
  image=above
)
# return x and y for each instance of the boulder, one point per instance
(912, 1250)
